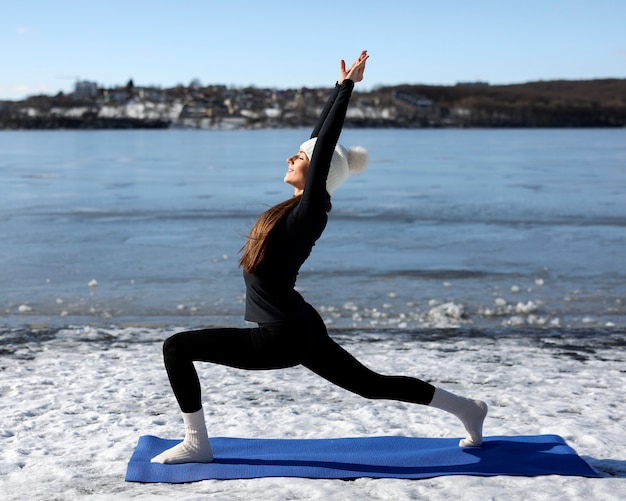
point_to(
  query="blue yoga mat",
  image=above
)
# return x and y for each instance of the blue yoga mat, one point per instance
(373, 457)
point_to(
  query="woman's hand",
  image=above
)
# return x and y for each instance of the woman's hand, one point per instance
(355, 72)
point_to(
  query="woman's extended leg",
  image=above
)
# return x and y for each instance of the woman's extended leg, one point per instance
(329, 360)
(335, 364)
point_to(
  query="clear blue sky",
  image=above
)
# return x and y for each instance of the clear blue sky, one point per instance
(47, 44)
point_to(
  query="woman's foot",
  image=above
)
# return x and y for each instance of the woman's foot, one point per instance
(473, 418)
(472, 414)
(186, 452)
(196, 447)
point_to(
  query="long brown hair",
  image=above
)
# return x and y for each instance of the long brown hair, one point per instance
(256, 244)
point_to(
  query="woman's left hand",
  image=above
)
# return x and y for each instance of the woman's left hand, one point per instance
(355, 72)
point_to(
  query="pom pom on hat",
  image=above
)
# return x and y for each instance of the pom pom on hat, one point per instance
(357, 159)
(344, 162)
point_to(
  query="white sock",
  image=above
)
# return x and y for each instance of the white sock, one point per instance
(195, 448)
(472, 414)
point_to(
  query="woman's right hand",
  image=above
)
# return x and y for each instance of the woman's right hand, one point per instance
(355, 72)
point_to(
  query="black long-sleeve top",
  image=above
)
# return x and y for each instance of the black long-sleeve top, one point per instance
(270, 290)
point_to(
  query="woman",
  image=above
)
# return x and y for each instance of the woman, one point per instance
(290, 331)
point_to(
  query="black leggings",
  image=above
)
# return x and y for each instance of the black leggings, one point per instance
(276, 346)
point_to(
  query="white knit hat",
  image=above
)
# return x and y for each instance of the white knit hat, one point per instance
(345, 161)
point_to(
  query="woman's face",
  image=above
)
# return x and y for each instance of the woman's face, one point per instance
(297, 168)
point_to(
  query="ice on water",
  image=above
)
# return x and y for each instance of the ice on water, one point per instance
(501, 227)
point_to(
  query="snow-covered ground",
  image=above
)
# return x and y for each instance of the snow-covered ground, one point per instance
(75, 401)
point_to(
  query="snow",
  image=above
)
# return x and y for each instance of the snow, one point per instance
(75, 401)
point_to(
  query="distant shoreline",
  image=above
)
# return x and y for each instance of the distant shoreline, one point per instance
(543, 104)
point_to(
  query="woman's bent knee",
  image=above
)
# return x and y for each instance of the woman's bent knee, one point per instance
(172, 346)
